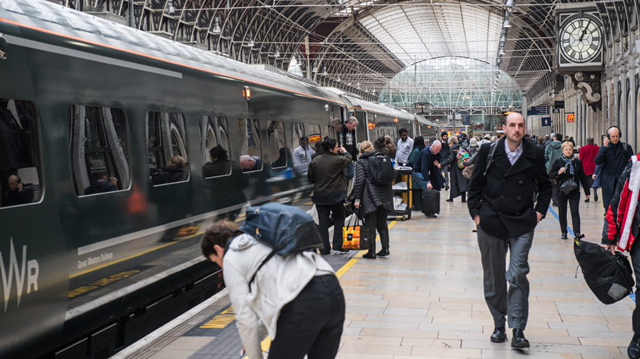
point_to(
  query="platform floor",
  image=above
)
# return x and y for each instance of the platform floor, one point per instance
(426, 300)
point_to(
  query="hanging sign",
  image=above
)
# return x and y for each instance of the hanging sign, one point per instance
(571, 117)
(546, 121)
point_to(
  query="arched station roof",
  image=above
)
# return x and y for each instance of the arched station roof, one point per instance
(359, 45)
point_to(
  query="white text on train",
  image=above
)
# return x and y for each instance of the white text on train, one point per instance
(18, 270)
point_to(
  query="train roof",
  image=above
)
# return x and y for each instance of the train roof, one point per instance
(424, 121)
(377, 108)
(88, 33)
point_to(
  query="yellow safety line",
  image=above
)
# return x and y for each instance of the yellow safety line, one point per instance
(266, 344)
(134, 256)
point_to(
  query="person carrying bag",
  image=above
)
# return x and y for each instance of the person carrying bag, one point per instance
(567, 172)
(373, 196)
(355, 235)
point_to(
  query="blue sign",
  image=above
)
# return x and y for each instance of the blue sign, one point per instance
(538, 110)
(546, 121)
(466, 120)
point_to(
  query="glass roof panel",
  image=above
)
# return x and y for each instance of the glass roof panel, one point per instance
(422, 32)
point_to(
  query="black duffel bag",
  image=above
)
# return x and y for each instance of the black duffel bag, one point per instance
(609, 277)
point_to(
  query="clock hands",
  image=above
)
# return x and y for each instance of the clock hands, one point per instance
(584, 31)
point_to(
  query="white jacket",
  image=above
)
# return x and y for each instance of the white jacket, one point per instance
(276, 284)
(403, 150)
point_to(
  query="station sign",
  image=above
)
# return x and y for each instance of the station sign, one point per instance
(539, 110)
(558, 104)
(571, 117)
(546, 121)
(466, 120)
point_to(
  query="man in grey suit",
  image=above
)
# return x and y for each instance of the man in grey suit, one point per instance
(507, 174)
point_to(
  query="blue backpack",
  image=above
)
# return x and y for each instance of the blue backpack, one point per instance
(286, 229)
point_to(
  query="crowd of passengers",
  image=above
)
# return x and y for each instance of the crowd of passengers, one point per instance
(508, 183)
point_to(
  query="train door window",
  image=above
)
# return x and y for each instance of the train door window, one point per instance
(99, 149)
(278, 151)
(300, 144)
(314, 135)
(167, 148)
(250, 151)
(20, 170)
(215, 146)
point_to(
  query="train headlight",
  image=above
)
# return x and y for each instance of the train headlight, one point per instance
(246, 93)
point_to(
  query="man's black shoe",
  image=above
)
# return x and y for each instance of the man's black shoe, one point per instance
(634, 347)
(383, 253)
(446, 188)
(519, 341)
(499, 335)
(369, 255)
(563, 236)
(450, 200)
(586, 200)
(596, 197)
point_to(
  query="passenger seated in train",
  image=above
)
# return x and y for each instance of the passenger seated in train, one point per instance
(114, 182)
(17, 193)
(174, 172)
(101, 185)
(250, 163)
(282, 159)
(219, 164)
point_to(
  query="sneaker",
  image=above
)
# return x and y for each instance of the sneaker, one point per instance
(341, 251)
(383, 253)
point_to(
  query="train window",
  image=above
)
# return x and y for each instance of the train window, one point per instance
(300, 144)
(215, 146)
(20, 170)
(167, 148)
(250, 151)
(99, 149)
(278, 152)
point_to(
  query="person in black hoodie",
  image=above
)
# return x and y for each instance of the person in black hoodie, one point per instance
(373, 201)
(563, 169)
(444, 154)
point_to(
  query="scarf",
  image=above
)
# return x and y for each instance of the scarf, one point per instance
(568, 161)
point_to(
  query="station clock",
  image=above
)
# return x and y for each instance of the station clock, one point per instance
(580, 40)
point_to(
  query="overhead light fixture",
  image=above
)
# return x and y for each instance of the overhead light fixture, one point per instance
(171, 10)
(251, 42)
(501, 51)
(506, 24)
(338, 79)
(324, 72)
(349, 84)
(503, 39)
(315, 68)
(277, 54)
(510, 4)
(216, 27)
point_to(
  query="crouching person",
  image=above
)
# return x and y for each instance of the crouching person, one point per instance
(296, 298)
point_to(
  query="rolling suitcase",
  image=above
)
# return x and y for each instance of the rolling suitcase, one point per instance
(430, 202)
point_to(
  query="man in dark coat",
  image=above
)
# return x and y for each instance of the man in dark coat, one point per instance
(612, 159)
(326, 172)
(429, 166)
(445, 153)
(502, 206)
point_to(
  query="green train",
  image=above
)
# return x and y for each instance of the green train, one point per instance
(99, 239)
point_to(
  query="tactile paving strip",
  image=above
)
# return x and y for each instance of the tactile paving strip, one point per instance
(227, 345)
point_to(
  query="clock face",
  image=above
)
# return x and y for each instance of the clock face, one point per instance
(581, 40)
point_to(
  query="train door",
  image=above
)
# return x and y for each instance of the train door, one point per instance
(33, 254)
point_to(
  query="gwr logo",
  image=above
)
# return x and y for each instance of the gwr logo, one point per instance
(17, 270)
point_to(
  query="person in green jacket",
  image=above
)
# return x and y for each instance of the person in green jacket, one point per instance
(551, 154)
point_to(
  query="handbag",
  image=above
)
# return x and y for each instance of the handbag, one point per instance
(569, 185)
(355, 235)
(467, 172)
